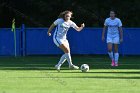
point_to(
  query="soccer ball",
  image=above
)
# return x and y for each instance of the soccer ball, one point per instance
(84, 67)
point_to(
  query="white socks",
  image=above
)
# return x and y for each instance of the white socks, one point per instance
(65, 57)
(62, 60)
(116, 57)
(68, 57)
(111, 55)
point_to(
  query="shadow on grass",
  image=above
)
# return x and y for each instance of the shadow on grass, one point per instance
(48, 63)
(65, 67)
(82, 77)
(109, 72)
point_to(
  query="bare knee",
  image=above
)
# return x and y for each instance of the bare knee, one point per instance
(64, 48)
(109, 47)
(116, 48)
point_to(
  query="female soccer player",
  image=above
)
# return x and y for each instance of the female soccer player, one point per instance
(114, 27)
(63, 23)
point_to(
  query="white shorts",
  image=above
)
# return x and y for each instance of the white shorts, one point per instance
(59, 42)
(113, 40)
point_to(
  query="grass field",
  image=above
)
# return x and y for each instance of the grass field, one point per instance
(36, 74)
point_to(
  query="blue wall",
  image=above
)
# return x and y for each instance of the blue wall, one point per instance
(7, 42)
(84, 42)
(36, 42)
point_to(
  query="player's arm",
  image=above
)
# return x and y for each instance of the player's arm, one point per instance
(50, 29)
(103, 33)
(104, 29)
(121, 31)
(121, 34)
(78, 28)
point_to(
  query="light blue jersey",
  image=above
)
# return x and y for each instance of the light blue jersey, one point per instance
(113, 26)
(62, 28)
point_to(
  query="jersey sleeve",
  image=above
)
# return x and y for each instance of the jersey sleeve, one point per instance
(56, 22)
(73, 25)
(105, 23)
(120, 23)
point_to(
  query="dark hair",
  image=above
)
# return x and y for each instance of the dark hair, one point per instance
(62, 14)
(113, 11)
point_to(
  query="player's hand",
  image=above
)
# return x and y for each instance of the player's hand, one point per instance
(83, 25)
(103, 38)
(49, 34)
(121, 40)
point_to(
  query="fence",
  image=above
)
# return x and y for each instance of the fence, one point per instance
(34, 41)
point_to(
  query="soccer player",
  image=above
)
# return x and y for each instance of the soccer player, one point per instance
(63, 23)
(114, 36)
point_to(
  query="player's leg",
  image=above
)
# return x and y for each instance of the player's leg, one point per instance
(67, 55)
(58, 42)
(116, 54)
(63, 57)
(110, 52)
(70, 66)
(65, 47)
(62, 60)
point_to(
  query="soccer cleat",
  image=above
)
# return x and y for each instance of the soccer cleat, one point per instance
(57, 68)
(73, 67)
(113, 63)
(116, 64)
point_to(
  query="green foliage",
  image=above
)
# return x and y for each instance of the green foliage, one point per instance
(41, 13)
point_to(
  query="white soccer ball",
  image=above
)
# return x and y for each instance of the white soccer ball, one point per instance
(84, 67)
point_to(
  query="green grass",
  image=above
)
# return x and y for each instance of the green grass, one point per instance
(36, 74)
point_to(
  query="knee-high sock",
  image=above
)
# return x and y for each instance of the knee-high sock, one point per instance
(62, 60)
(116, 57)
(111, 55)
(68, 57)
